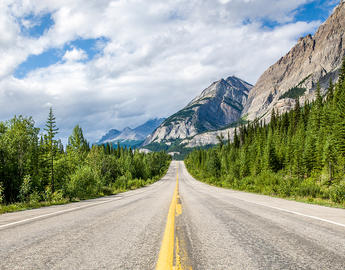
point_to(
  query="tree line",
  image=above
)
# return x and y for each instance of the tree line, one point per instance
(300, 153)
(35, 166)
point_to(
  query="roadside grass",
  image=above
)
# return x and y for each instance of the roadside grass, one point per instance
(268, 191)
(20, 206)
(318, 201)
(105, 191)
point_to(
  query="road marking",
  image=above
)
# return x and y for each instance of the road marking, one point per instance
(178, 205)
(299, 214)
(178, 258)
(273, 207)
(166, 253)
(56, 213)
(75, 208)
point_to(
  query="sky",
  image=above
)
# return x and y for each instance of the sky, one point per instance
(107, 64)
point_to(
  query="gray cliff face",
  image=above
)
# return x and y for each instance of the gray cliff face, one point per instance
(313, 59)
(217, 106)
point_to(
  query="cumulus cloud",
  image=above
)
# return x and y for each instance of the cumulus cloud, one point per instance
(156, 56)
(75, 55)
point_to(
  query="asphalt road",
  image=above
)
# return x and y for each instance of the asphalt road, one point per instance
(214, 229)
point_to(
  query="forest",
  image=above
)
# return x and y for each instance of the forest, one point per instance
(299, 154)
(36, 170)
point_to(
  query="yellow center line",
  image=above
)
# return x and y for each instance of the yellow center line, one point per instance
(178, 258)
(166, 254)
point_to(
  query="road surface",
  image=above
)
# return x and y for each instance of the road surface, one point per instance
(176, 221)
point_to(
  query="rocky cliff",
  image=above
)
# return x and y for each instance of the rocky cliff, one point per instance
(313, 59)
(217, 106)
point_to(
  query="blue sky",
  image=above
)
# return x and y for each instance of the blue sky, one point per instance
(55, 55)
(315, 10)
(109, 64)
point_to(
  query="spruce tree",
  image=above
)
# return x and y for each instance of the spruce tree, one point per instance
(330, 92)
(51, 130)
(342, 73)
(77, 141)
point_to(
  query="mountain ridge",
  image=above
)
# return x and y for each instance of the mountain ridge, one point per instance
(131, 136)
(218, 105)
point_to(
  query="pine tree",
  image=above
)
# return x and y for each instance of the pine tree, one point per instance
(318, 108)
(236, 139)
(77, 142)
(330, 92)
(220, 139)
(51, 130)
(342, 73)
(340, 130)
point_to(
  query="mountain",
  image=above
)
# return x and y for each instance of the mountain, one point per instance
(131, 137)
(219, 105)
(113, 133)
(313, 59)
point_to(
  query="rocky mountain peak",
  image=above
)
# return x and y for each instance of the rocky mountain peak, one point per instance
(217, 106)
(229, 87)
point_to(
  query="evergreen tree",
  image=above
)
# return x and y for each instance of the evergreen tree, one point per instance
(51, 130)
(76, 141)
(342, 73)
(330, 91)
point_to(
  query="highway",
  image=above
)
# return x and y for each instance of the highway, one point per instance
(176, 223)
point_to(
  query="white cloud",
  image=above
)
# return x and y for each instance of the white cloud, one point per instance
(75, 55)
(159, 55)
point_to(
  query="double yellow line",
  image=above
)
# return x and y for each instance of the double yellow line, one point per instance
(166, 254)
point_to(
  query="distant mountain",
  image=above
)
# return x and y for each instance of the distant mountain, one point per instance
(219, 105)
(111, 134)
(131, 137)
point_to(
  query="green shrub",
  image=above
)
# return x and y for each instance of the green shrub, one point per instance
(57, 196)
(337, 193)
(47, 194)
(1, 193)
(309, 187)
(25, 189)
(83, 183)
(107, 190)
(287, 187)
(121, 183)
(35, 197)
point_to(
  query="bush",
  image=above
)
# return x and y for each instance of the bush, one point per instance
(84, 183)
(34, 197)
(57, 196)
(25, 189)
(1, 193)
(309, 187)
(121, 183)
(337, 193)
(287, 186)
(48, 194)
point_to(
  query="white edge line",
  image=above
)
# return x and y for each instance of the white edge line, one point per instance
(285, 210)
(63, 211)
(299, 214)
(55, 213)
